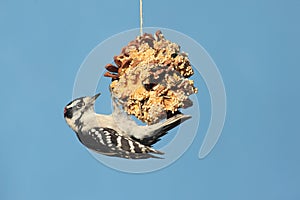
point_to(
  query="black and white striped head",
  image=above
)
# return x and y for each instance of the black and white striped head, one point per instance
(76, 108)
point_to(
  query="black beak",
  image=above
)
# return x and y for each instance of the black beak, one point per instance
(95, 97)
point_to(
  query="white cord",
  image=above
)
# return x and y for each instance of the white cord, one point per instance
(141, 17)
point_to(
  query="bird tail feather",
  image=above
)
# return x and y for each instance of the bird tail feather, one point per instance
(162, 129)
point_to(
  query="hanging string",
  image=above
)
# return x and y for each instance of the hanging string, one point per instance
(141, 17)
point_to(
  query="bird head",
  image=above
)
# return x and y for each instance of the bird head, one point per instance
(78, 107)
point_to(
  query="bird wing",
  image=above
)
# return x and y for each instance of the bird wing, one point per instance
(108, 142)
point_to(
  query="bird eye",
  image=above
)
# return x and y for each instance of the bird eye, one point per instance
(79, 105)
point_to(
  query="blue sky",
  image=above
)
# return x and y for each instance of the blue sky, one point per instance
(255, 45)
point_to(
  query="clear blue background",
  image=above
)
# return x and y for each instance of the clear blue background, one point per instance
(256, 47)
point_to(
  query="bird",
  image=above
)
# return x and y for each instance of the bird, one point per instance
(116, 135)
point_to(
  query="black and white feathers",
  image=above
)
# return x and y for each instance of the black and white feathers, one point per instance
(116, 134)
